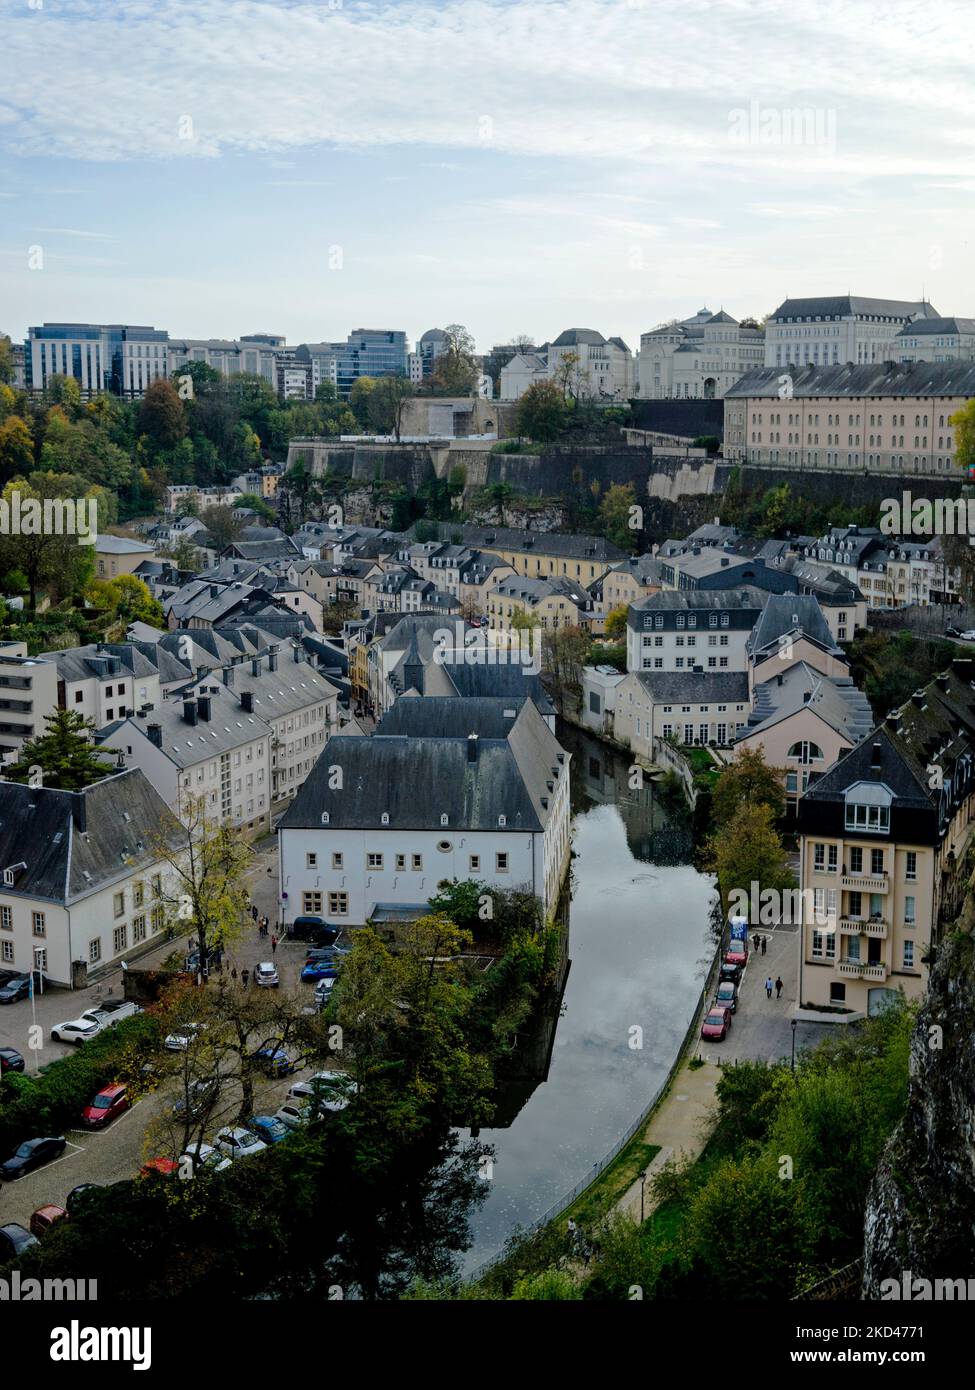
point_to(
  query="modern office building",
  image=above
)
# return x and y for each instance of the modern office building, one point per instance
(121, 358)
(370, 352)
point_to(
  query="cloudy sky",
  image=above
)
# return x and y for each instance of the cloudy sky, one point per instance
(521, 166)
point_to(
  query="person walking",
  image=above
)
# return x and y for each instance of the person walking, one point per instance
(274, 944)
(778, 987)
(757, 943)
(233, 974)
(244, 977)
(768, 987)
(266, 923)
(254, 911)
(764, 944)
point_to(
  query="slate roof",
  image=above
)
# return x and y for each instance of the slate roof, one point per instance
(579, 337)
(99, 661)
(695, 687)
(417, 780)
(439, 716)
(509, 680)
(879, 379)
(576, 547)
(75, 843)
(788, 614)
(185, 744)
(846, 306)
(836, 701)
(932, 326)
(694, 600)
(121, 545)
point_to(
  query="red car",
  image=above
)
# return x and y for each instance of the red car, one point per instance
(164, 1167)
(110, 1102)
(736, 954)
(716, 1025)
(44, 1218)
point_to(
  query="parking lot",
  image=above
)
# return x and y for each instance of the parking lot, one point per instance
(141, 1133)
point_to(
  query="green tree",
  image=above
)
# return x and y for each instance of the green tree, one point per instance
(224, 527)
(747, 854)
(455, 370)
(387, 403)
(16, 447)
(616, 621)
(359, 396)
(748, 781)
(963, 423)
(45, 554)
(6, 358)
(161, 415)
(541, 413)
(615, 514)
(65, 753)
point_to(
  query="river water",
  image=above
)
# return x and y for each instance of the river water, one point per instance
(639, 945)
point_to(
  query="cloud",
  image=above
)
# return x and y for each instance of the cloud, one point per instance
(75, 231)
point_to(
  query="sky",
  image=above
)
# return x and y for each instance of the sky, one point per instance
(235, 166)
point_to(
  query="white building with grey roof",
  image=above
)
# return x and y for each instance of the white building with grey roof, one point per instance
(447, 789)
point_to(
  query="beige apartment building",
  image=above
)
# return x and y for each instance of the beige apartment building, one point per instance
(885, 837)
(884, 418)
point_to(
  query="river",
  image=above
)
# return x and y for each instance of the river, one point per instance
(639, 945)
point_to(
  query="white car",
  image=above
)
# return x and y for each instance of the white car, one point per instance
(180, 1038)
(294, 1115)
(78, 1030)
(110, 1014)
(968, 636)
(203, 1156)
(332, 1089)
(266, 974)
(237, 1142)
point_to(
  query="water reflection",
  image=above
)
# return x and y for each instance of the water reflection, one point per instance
(638, 945)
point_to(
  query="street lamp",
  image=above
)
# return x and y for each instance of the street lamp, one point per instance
(794, 1022)
(643, 1189)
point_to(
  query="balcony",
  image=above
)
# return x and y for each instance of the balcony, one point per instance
(877, 927)
(876, 970)
(853, 968)
(851, 926)
(866, 883)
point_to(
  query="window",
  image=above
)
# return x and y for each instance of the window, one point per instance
(94, 950)
(338, 904)
(908, 955)
(823, 945)
(400, 862)
(910, 912)
(910, 867)
(37, 925)
(873, 820)
(374, 861)
(806, 752)
(118, 904)
(6, 918)
(156, 919)
(311, 904)
(138, 929)
(819, 858)
(7, 952)
(157, 886)
(475, 863)
(337, 861)
(876, 861)
(311, 861)
(416, 863)
(856, 860)
(120, 939)
(501, 863)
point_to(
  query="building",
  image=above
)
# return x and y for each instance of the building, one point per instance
(539, 554)
(884, 841)
(549, 604)
(580, 361)
(630, 580)
(885, 418)
(28, 692)
(84, 882)
(115, 555)
(105, 681)
(119, 358)
(936, 340)
(369, 352)
(679, 630)
(449, 789)
(701, 357)
(255, 354)
(829, 330)
(695, 707)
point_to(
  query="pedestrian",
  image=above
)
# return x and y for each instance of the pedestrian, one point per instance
(244, 976)
(768, 987)
(233, 974)
(274, 944)
(254, 911)
(756, 943)
(266, 924)
(764, 944)
(778, 987)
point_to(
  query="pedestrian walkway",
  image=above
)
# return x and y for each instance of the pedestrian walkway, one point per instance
(680, 1125)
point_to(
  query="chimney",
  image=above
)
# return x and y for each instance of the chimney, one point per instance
(942, 680)
(272, 660)
(247, 702)
(203, 705)
(472, 748)
(256, 666)
(806, 695)
(228, 677)
(189, 711)
(154, 734)
(778, 678)
(79, 811)
(918, 699)
(894, 721)
(297, 653)
(214, 590)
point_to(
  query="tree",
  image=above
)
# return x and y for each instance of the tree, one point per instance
(387, 402)
(747, 854)
(615, 513)
(963, 423)
(616, 621)
(16, 447)
(126, 597)
(161, 415)
(566, 375)
(65, 753)
(45, 553)
(185, 555)
(205, 889)
(6, 358)
(224, 527)
(455, 370)
(748, 781)
(362, 389)
(564, 653)
(541, 413)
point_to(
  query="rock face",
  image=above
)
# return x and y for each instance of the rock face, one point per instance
(920, 1213)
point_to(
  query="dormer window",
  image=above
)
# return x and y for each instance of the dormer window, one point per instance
(445, 819)
(867, 808)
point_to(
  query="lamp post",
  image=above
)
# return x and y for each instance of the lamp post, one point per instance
(794, 1022)
(643, 1189)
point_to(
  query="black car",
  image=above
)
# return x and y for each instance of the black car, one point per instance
(31, 1154)
(79, 1194)
(200, 1095)
(313, 929)
(19, 987)
(14, 1240)
(10, 1060)
(729, 971)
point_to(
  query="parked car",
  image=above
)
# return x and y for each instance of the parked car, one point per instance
(44, 1218)
(727, 996)
(266, 974)
(18, 987)
(159, 1167)
(736, 954)
(31, 1154)
(77, 1030)
(276, 1061)
(198, 1095)
(14, 1240)
(968, 636)
(180, 1038)
(204, 1156)
(10, 1060)
(112, 1012)
(323, 989)
(269, 1128)
(237, 1142)
(320, 970)
(331, 1088)
(314, 929)
(295, 1115)
(78, 1195)
(110, 1102)
(716, 1025)
(729, 971)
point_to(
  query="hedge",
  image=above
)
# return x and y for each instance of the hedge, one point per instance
(52, 1102)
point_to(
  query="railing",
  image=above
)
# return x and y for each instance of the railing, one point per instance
(853, 968)
(569, 1197)
(867, 883)
(875, 971)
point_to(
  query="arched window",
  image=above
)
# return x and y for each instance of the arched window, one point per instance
(806, 752)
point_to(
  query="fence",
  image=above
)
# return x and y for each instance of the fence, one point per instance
(666, 755)
(569, 1197)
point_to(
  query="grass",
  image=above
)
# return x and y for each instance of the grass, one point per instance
(612, 1183)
